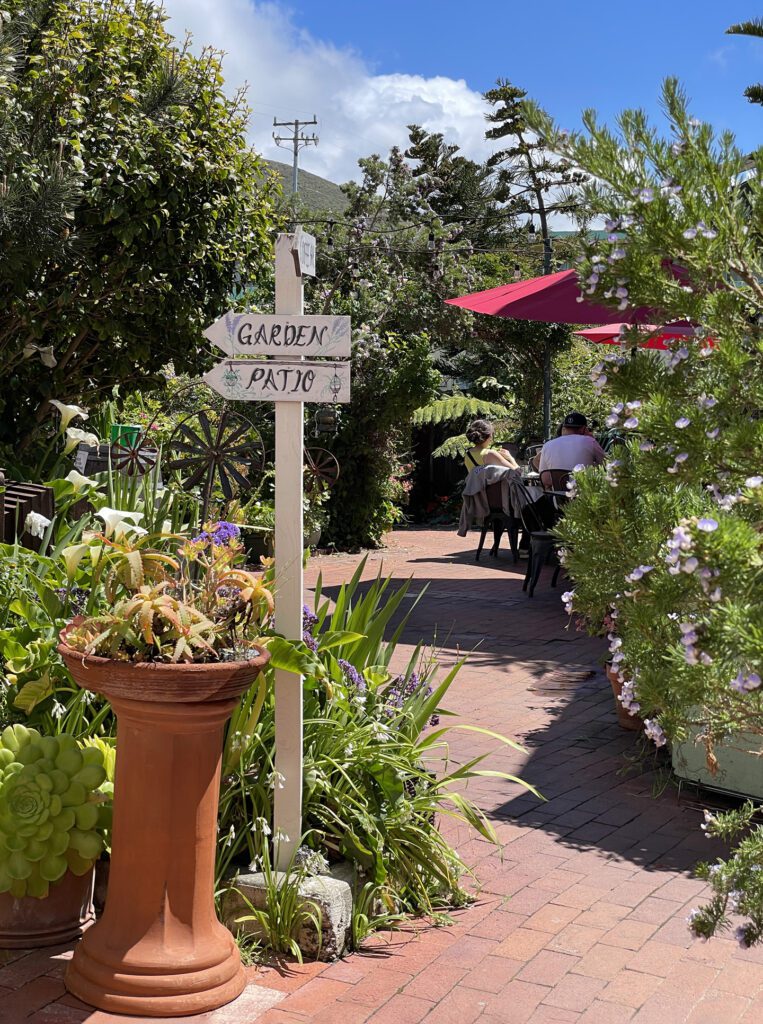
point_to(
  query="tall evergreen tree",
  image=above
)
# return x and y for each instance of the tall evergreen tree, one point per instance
(531, 181)
(754, 27)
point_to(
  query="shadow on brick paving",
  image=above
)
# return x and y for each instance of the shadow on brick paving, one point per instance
(605, 788)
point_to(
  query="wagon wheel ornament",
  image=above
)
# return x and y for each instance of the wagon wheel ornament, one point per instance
(134, 459)
(227, 450)
(321, 469)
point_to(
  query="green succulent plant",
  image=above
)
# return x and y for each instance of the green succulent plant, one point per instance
(51, 819)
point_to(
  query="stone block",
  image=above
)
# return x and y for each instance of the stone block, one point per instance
(331, 894)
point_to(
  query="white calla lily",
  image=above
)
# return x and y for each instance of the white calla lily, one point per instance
(116, 522)
(72, 556)
(68, 412)
(79, 480)
(36, 524)
(75, 436)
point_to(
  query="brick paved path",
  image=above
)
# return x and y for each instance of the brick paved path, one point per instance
(580, 918)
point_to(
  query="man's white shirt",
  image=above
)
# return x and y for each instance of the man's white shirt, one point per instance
(571, 450)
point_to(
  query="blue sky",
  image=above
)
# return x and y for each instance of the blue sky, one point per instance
(368, 68)
(568, 55)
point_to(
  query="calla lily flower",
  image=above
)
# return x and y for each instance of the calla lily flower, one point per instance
(68, 412)
(74, 436)
(72, 556)
(79, 480)
(36, 524)
(116, 522)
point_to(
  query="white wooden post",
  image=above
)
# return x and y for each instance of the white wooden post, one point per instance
(287, 814)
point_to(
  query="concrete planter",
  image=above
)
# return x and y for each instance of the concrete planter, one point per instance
(61, 916)
(329, 896)
(159, 950)
(740, 764)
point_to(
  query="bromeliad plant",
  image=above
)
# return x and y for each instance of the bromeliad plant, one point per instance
(376, 771)
(192, 605)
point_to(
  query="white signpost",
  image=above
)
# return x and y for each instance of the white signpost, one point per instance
(260, 380)
(288, 381)
(263, 334)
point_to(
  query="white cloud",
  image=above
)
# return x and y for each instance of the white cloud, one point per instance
(292, 74)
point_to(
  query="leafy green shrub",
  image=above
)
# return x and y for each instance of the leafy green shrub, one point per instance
(50, 817)
(665, 545)
(376, 773)
(127, 208)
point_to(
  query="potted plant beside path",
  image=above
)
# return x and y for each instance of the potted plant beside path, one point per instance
(52, 821)
(172, 654)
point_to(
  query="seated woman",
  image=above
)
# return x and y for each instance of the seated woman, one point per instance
(480, 434)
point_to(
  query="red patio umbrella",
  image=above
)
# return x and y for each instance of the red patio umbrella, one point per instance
(552, 298)
(655, 337)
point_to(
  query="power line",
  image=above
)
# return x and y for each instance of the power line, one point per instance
(297, 140)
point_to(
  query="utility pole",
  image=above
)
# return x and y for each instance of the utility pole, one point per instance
(297, 140)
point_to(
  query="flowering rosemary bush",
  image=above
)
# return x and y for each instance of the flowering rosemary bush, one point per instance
(376, 773)
(664, 545)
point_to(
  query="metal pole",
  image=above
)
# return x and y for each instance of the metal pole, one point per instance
(547, 352)
(295, 171)
(287, 813)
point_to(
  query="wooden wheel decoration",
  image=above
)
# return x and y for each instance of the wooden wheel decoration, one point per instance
(134, 459)
(228, 449)
(321, 469)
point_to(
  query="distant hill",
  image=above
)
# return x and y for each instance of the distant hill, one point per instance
(315, 193)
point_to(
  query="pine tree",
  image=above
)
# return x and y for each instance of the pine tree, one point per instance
(531, 181)
(754, 28)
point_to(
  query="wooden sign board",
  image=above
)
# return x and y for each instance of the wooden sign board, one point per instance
(268, 334)
(303, 247)
(258, 380)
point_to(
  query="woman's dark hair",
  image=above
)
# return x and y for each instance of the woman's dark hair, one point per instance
(479, 431)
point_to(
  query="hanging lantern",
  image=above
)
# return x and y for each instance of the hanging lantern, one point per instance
(326, 420)
(231, 376)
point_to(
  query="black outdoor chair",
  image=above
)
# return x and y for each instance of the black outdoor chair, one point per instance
(538, 518)
(498, 521)
(555, 480)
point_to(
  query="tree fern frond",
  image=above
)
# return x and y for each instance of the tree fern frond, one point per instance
(456, 407)
(453, 448)
(753, 27)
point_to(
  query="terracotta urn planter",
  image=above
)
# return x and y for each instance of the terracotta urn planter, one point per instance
(61, 916)
(159, 949)
(626, 721)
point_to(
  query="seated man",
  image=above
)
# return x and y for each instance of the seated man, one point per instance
(575, 446)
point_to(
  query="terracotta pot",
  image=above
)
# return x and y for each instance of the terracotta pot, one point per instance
(159, 950)
(62, 915)
(624, 720)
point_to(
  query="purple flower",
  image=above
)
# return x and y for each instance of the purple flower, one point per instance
(683, 422)
(639, 572)
(712, 434)
(352, 676)
(707, 525)
(690, 565)
(219, 534)
(631, 423)
(753, 481)
(309, 619)
(654, 732)
(745, 683)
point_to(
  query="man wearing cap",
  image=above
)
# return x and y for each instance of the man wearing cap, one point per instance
(575, 446)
